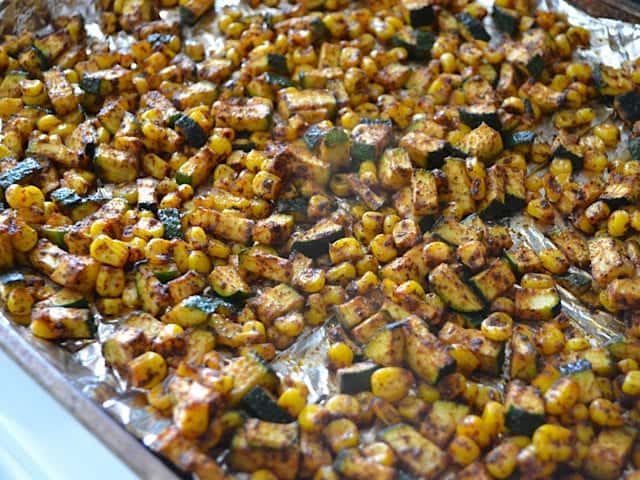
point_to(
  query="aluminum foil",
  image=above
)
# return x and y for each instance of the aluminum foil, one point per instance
(612, 43)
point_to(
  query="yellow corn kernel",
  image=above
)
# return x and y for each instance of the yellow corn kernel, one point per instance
(428, 393)
(497, 327)
(553, 443)
(585, 115)
(19, 301)
(341, 434)
(501, 462)
(618, 223)
(340, 355)
(109, 251)
(608, 133)
(157, 250)
(383, 248)
(147, 370)
(463, 450)
(313, 418)
(541, 210)
(263, 475)
(595, 162)
(110, 281)
(47, 123)
(493, 417)
(551, 339)
(559, 166)
(24, 238)
(391, 383)
(18, 196)
(473, 427)
(199, 262)
(605, 413)
(341, 273)
(345, 249)
(293, 400)
(289, 325)
(554, 261)
(380, 453)
(631, 384)
(562, 396)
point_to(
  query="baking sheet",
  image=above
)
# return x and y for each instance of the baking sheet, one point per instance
(79, 377)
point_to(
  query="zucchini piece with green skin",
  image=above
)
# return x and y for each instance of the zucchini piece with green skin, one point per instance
(197, 169)
(192, 10)
(515, 190)
(577, 282)
(10, 85)
(524, 354)
(601, 360)
(620, 192)
(634, 148)
(366, 329)
(427, 151)
(170, 218)
(278, 301)
(352, 313)
(355, 378)
(537, 304)
(166, 273)
(259, 445)
(524, 137)
(368, 141)
(387, 347)
(295, 206)
(609, 453)
(193, 133)
(277, 80)
(440, 424)
(417, 43)
(261, 404)
(194, 310)
(227, 282)
(417, 454)
(569, 153)
(254, 115)
(494, 281)
(67, 298)
(628, 106)
(314, 135)
(67, 199)
(368, 196)
(315, 242)
(524, 408)
(112, 113)
(493, 205)
(530, 52)
(153, 293)
(572, 245)
(523, 260)
(581, 372)
(453, 232)
(314, 105)
(21, 172)
(266, 265)
(424, 193)
(243, 144)
(474, 27)
(62, 323)
(147, 197)
(418, 13)
(335, 148)
(459, 186)
(475, 115)
(488, 352)
(106, 82)
(350, 463)
(60, 92)
(115, 166)
(453, 291)
(506, 20)
(424, 353)
(249, 371)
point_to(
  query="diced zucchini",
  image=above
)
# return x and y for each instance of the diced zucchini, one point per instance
(634, 148)
(259, 445)
(350, 463)
(571, 153)
(194, 310)
(454, 232)
(153, 293)
(368, 196)
(170, 218)
(515, 191)
(226, 224)
(537, 304)
(366, 329)
(494, 281)
(418, 13)
(608, 260)
(197, 169)
(493, 205)
(524, 354)
(369, 141)
(627, 106)
(125, 345)
(10, 85)
(505, 19)
(115, 165)
(351, 313)
(67, 298)
(523, 260)
(418, 43)
(387, 347)
(609, 453)
(192, 10)
(424, 193)
(305, 165)
(261, 404)
(427, 151)
(474, 115)
(416, 453)
(356, 378)
(112, 113)
(195, 136)
(474, 27)
(248, 372)
(314, 105)
(442, 421)
(572, 245)
(72, 271)
(61, 323)
(452, 290)
(166, 272)
(60, 92)
(620, 192)
(21, 172)
(488, 352)
(277, 301)
(266, 265)
(315, 241)
(530, 52)
(253, 116)
(524, 137)
(424, 353)
(582, 373)
(106, 82)
(459, 186)
(147, 197)
(524, 408)
(227, 282)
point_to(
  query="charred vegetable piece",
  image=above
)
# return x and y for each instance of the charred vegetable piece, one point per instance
(191, 131)
(418, 13)
(524, 408)
(315, 241)
(505, 19)
(170, 218)
(628, 106)
(494, 281)
(369, 141)
(418, 43)
(261, 404)
(474, 27)
(386, 348)
(23, 171)
(475, 115)
(448, 285)
(356, 378)
(537, 304)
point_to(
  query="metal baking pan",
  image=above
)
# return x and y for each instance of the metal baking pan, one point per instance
(625, 10)
(41, 366)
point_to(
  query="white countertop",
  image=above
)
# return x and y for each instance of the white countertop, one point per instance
(40, 440)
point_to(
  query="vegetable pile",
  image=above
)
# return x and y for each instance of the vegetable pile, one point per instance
(335, 159)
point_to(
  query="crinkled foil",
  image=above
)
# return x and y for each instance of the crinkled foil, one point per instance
(612, 43)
